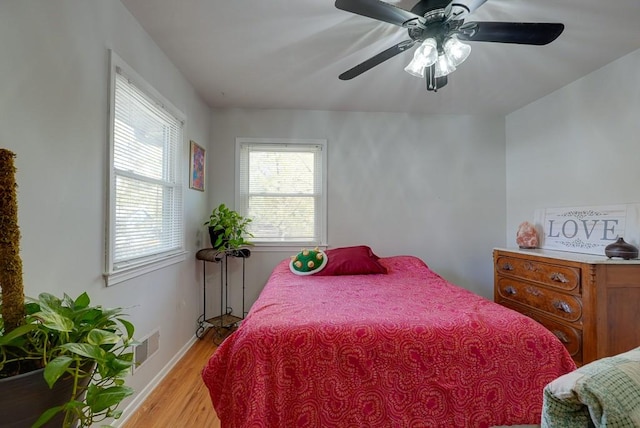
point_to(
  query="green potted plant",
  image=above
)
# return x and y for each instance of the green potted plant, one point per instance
(228, 229)
(62, 361)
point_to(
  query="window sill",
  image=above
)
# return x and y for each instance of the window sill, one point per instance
(125, 274)
(289, 247)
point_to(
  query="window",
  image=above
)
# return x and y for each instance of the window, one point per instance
(145, 228)
(281, 186)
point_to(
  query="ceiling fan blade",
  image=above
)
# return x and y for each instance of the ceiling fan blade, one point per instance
(377, 59)
(523, 33)
(381, 11)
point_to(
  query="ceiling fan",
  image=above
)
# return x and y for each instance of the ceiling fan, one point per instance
(438, 27)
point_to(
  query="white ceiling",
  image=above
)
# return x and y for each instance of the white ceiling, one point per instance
(288, 54)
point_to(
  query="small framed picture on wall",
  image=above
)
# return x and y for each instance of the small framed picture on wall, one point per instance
(196, 166)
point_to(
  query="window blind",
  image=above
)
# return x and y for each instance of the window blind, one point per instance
(282, 189)
(146, 183)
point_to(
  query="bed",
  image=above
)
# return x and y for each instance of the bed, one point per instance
(403, 348)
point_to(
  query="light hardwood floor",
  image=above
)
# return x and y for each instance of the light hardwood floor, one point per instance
(181, 400)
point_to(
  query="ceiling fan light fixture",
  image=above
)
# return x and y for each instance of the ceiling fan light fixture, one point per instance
(444, 21)
(425, 56)
(444, 66)
(456, 51)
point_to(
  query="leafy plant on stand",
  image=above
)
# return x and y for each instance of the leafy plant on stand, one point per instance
(228, 229)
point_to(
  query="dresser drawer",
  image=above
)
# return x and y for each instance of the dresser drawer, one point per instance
(554, 303)
(570, 337)
(561, 277)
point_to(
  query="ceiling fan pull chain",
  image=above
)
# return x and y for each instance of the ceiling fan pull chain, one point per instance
(430, 78)
(434, 83)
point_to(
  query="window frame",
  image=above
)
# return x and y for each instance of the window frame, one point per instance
(133, 267)
(321, 216)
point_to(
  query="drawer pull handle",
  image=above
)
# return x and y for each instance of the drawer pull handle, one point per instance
(533, 291)
(560, 335)
(507, 266)
(510, 290)
(558, 277)
(562, 306)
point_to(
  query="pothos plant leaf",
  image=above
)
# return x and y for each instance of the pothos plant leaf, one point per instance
(100, 399)
(56, 368)
(47, 416)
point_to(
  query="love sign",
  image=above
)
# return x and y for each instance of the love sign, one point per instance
(587, 229)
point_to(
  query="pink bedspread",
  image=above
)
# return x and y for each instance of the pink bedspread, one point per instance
(406, 349)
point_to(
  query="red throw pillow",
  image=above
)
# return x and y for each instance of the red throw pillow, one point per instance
(358, 260)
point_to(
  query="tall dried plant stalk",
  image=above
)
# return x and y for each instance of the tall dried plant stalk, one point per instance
(13, 312)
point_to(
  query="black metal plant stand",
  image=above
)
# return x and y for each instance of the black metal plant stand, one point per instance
(225, 323)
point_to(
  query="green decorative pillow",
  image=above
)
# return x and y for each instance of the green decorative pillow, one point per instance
(308, 262)
(605, 392)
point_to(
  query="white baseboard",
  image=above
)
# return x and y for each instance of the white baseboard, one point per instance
(144, 394)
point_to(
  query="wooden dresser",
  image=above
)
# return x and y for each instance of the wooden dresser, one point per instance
(591, 303)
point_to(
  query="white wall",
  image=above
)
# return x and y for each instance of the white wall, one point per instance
(431, 186)
(578, 146)
(53, 115)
